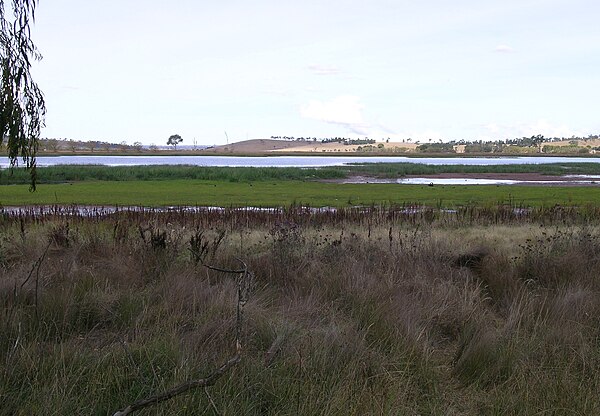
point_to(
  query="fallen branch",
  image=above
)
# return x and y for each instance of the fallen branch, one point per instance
(182, 388)
(244, 284)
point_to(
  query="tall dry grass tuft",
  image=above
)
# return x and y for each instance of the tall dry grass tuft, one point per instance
(347, 317)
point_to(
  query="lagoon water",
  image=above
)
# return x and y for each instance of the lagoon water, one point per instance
(480, 181)
(293, 161)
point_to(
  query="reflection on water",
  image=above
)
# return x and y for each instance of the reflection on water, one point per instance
(41, 211)
(467, 181)
(572, 180)
(291, 161)
(591, 177)
(478, 181)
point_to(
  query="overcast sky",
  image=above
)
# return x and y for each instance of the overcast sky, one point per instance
(142, 70)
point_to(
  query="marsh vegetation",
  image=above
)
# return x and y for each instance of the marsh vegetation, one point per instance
(349, 313)
(78, 173)
(280, 187)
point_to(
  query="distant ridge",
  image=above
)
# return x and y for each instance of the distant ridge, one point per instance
(258, 146)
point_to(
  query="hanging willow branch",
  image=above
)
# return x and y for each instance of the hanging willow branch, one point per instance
(22, 107)
(244, 283)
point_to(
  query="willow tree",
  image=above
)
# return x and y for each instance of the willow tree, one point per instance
(22, 107)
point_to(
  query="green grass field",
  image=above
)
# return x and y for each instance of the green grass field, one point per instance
(284, 193)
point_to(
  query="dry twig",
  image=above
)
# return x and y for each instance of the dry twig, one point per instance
(34, 268)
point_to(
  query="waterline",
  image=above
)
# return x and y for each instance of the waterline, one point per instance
(293, 161)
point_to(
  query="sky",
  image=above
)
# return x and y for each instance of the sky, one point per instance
(230, 70)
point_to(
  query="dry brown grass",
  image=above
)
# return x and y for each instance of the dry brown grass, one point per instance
(344, 319)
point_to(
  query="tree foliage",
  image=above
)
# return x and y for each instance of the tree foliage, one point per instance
(22, 107)
(174, 140)
(436, 148)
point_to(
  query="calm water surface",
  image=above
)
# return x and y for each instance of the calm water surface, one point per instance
(291, 161)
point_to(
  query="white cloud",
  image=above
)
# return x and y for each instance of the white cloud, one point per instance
(425, 136)
(324, 70)
(409, 136)
(278, 92)
(494, 131)
(504, 49)
(345, 110)
(547, 129)
(492, 128)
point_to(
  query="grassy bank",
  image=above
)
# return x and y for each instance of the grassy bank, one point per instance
(74, 173)
(345, 320)
(284, 193)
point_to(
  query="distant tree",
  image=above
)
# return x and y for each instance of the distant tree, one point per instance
(359, 141)
(22, 107)
(72, 145)
(137, 146)
(436, 148)
(153, 148)
(123, 146)
(479, 148)
(53, 145)
(537, 141)
(174, 140)
(106, 146)
(92, 145)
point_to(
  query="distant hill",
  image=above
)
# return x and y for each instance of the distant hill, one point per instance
(573, 146)
(259, 146)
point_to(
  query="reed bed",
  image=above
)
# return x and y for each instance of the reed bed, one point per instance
(77, 173)
(233, 218)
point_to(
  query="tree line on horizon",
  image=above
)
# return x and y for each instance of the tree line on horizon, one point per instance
(518, 141)
(533, 144)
